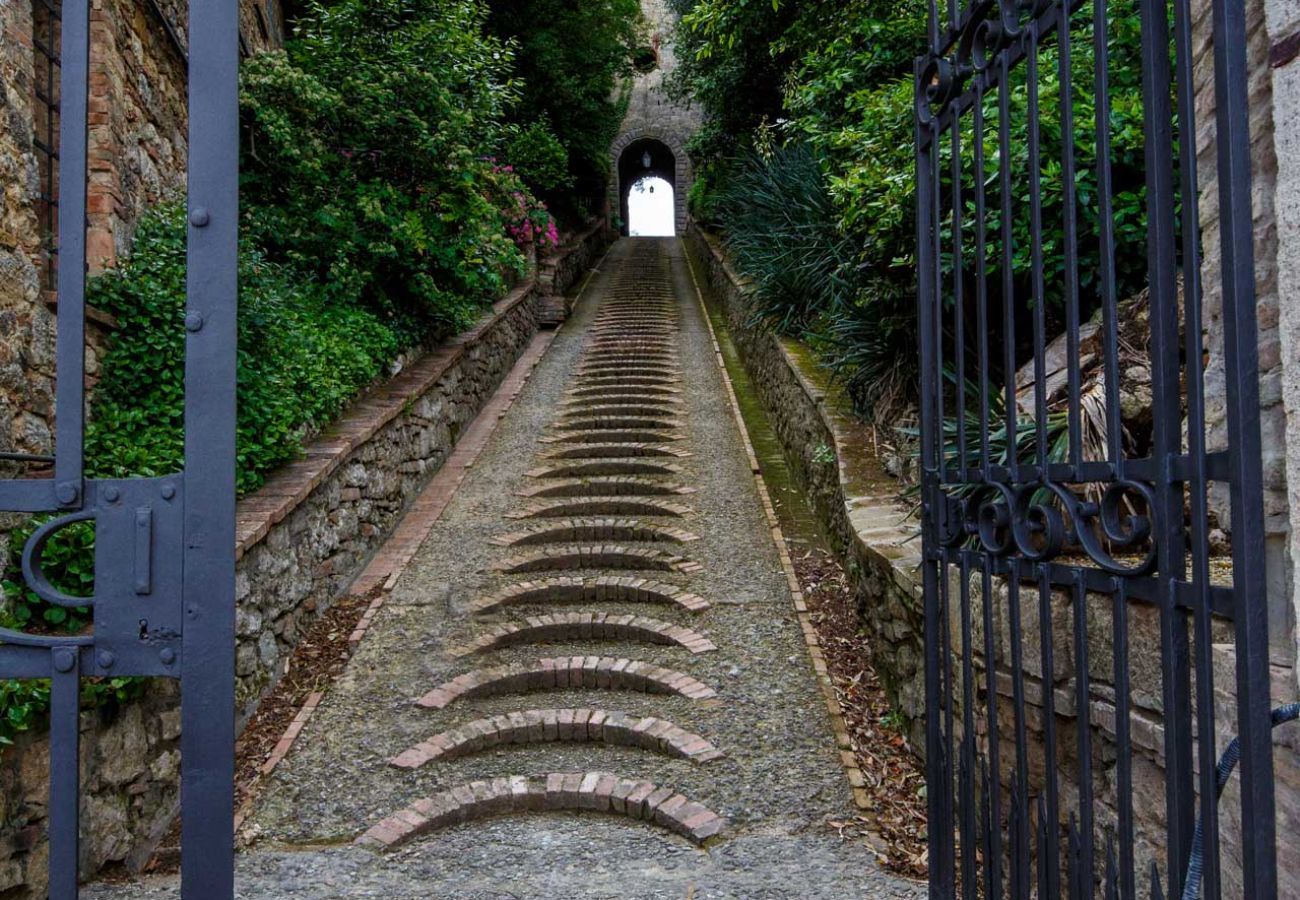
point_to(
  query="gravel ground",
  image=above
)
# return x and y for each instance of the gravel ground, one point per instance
(780, 784)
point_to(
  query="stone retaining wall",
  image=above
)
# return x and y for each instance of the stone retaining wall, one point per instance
(302, 539)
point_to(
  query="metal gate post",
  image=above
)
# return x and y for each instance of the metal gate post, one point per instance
(208, 688)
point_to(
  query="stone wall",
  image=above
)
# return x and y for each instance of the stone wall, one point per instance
(559, 272)
(652, 114)
(1282, 29)
(137, 152)
(302, 539)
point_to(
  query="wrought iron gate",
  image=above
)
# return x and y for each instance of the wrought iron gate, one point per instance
(1065, 545)
(163, 603)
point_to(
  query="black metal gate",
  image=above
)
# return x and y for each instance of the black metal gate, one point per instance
(1072, 487)
(163, 603)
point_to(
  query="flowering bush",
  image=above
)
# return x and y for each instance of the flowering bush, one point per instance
(527, 218)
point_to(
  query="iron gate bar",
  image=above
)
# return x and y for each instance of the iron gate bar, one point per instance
(65, 770)
(70, 385)
(208, 694)
(1017, 536)
(1241, 343)
(163, 603)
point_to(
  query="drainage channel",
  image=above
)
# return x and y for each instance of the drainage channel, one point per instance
(794, 508)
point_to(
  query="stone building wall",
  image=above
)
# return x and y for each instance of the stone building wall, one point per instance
(1282, 28)
(137, 153)
(653, 115)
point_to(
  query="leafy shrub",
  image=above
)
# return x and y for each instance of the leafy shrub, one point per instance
(847, 95)
(781, 230)
(537, 153)
(367, 163)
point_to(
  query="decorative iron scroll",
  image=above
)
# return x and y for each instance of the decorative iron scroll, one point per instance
(1040, 522)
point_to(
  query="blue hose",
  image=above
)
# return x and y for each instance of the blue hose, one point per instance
(1227, 763)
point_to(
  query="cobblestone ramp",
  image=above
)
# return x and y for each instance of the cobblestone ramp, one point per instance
(590, 682)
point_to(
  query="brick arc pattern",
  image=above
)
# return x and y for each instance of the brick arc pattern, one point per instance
(606, 499)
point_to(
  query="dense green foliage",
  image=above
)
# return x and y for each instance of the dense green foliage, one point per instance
(391, 159)
(367, 155)
(569, 62)
(845, 99)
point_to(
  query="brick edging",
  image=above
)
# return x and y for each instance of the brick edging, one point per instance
(843, 743)
(539, 726)
(605, 673)
(601, 792)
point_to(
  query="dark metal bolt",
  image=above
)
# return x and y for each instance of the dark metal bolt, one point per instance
(167, 655)
(67, 492)
(168, 491)
(112, 494)
(64, 660)
(194, 321)
(106, 659)
(200, 217)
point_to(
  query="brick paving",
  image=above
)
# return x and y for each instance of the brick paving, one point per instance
(587, 677)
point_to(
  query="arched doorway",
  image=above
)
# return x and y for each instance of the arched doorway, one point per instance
(648, 165)
(651, 208)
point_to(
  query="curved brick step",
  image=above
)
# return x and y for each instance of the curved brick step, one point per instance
(639, 390)
(615, 351)
(597, 556)
(624, 379)
(654, 354)
(627, 369)
(599, 792)
(608, 486)
(549, 726)
(601, 673)
(617, 451)
(631, 344)
(595, 529)
(606, 401)
(577, 626)
(572, 507)
(575, 418)
(578, 422)
(598, 436)
(607, 468)
(601, 589)
(620, 405)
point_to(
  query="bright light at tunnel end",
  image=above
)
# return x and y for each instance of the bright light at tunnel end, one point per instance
(651, 209)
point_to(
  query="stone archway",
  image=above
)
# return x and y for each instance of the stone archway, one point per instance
(668, 160)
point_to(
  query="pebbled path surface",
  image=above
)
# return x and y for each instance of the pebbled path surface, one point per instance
(633, 370)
